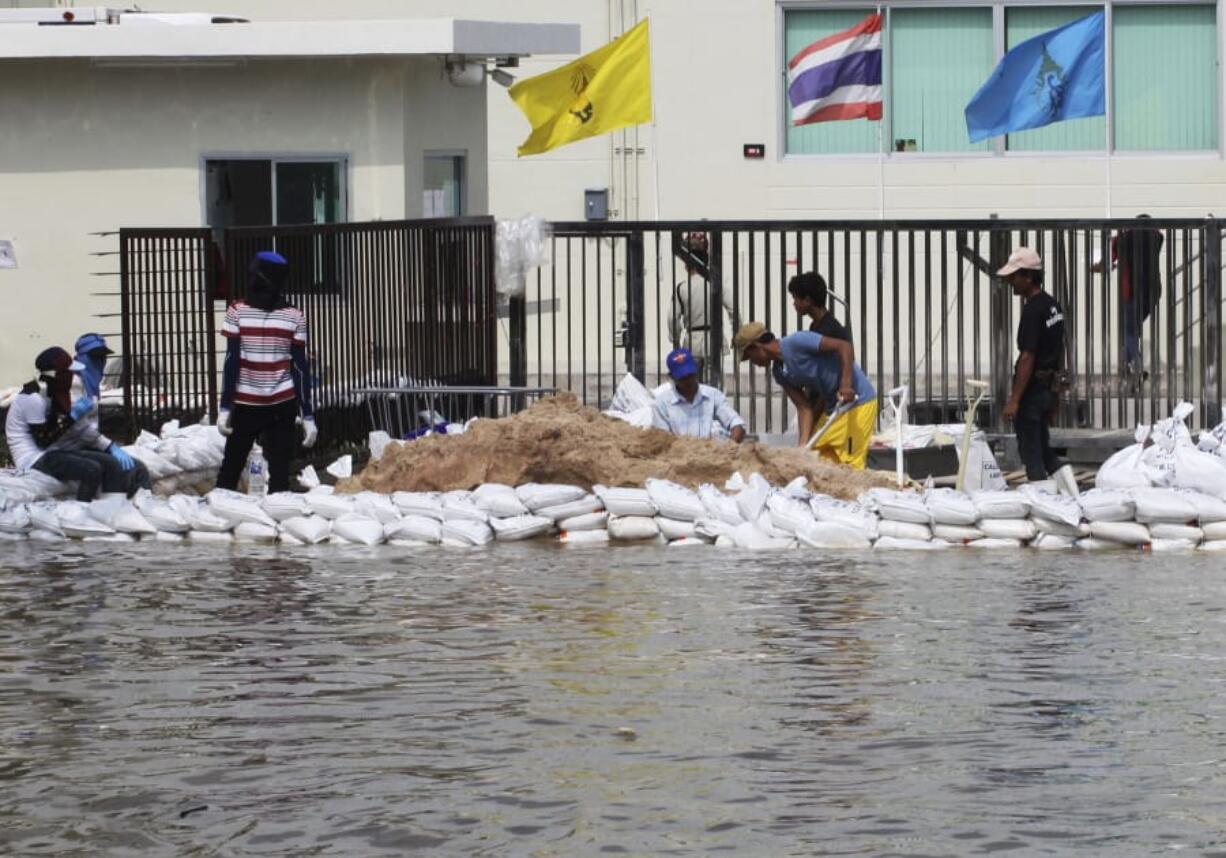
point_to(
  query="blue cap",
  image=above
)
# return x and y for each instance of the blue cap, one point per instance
(86, 343)
(681, 363)
(271, 256)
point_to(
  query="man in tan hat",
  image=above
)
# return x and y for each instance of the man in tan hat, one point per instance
(1035, 391)
(811, 367)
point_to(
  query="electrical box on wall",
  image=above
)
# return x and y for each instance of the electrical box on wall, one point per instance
(596, 204)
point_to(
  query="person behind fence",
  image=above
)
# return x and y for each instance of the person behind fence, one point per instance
(691, 320)
(92, 353)
(1137, 252)
(1038, 373)
(266, 376)
(809, 296)
(811, 367)
(46, 430)
(687, 407)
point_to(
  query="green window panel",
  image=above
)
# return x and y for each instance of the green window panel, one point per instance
(1073, 135)
(801, 29)
(1165, 77)
(940, 58)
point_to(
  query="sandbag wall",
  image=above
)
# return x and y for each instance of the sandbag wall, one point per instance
(743, 514)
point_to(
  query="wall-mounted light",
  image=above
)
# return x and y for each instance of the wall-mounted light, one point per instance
(501, 77)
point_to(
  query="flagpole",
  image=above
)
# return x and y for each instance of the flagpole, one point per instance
(881, 138)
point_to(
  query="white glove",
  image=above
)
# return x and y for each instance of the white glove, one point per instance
(223, 423)
(310, 432)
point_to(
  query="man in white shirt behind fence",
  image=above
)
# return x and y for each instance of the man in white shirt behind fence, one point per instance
(690, 408)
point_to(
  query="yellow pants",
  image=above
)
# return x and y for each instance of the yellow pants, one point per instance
(846, 441)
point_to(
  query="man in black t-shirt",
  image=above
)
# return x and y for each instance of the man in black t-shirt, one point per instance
(808, 293)
(1040, 346)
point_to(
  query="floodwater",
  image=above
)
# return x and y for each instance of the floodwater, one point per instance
(533, 700)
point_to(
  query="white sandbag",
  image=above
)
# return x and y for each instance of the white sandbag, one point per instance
(308, 478)
(499, 500)
(1208, 509)
(831, 534)
(675, 501)
(1158, 466)
(750, 536)
(408, 543)
(584, 537)
(429, 504)
(719, 505)
(31, 486)
(788, 513)
(1008, 528)
(949, 506)
(540, 495)
(1107, 505)
(906, 530)
(307, 529)
(725, 541)
(1165, 530)
(896, 505)
(377, 442)
(586, 505)
(111, 537)
(414, 528)
(956, 533)
(1051, 505)
(341, 468)
(626, 501)
(640, 418)
(1197, 470)
(712, 528)
(359, 529)
(282, 505)
(377, 506)
(894, 543)
(798, 488)
(1168, 546)
(463, 509)
(42, 535)
(1127, 532)
(686, 541)
(990, 543)
(1000, 504)
(590, 521)
(331, 506)
(15, 520)
(1215, 545)
(44, 517)
(210, 537)
(198, 515)
(12, 537)
(1214, 530)
(1052, 542)
(159, 512)
(632, 528)
(767, 526)
(121, 515)
(519, 527)
(671, 528)
(76, 522)
(467, 532)
(237, 508)
(249, 531)
(1060, 528)
(844, 512)
(169, 537)
(631, 395)
(1124, 469)
(751, 500)
(1089, 543)
(158, 466)
(1161, 504)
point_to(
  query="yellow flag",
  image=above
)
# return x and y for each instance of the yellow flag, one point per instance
(607, 89)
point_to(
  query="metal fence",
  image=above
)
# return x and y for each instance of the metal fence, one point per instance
(919, 299)
(388, 303)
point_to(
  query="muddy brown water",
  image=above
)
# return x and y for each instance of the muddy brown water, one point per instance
(531, 700)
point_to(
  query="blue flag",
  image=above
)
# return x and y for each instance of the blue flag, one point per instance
(1055, 76)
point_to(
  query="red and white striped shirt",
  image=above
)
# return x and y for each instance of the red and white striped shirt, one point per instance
(265, 340)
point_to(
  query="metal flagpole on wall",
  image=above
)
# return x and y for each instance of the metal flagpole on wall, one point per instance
(881, 123)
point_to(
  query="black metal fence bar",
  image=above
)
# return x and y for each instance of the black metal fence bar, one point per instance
(920, 298)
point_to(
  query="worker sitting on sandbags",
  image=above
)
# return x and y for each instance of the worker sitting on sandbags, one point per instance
(811, 367)
(690, 408)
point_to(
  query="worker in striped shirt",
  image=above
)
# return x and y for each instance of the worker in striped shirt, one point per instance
(266, 377)
(693, 409)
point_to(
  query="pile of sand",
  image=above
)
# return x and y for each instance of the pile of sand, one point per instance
(558, 440)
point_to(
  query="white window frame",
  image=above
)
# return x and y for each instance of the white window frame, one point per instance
(998, 150)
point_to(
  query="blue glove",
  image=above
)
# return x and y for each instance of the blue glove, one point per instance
(125, 461)
(81, 407)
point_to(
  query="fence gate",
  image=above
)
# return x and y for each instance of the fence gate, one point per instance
(169, 337)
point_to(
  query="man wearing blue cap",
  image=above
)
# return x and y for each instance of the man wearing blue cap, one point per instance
(92, 353)
(266, 381)
(690, 408)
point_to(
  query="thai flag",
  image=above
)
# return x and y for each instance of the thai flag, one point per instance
(838, 77)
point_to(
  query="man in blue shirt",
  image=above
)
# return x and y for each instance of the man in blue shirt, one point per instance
(690, 408)
(811, 367)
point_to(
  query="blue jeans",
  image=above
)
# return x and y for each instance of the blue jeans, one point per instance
(92, 469)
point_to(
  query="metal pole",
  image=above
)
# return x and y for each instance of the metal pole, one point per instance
(1211, 315)
(519, 341)
(636, 347)
(715, 310)
(1002, 340)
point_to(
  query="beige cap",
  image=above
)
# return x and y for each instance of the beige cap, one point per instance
(1021, 258)
(746, 337)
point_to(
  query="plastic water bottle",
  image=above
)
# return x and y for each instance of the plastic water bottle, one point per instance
(257, 473)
